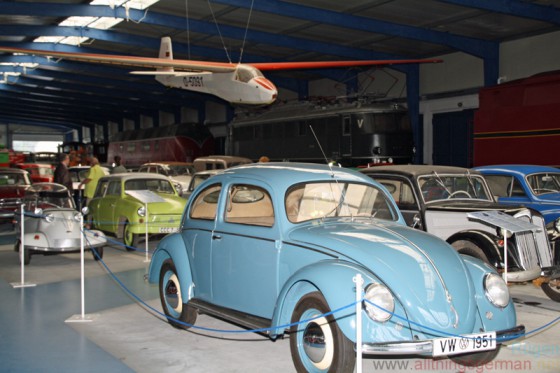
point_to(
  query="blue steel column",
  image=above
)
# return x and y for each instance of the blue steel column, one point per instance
(413, 101)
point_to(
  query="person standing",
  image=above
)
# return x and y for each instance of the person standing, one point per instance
(118, 168)
(61, 173)
(90, 182)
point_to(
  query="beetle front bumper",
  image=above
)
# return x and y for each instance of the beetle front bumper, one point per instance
(425, 348)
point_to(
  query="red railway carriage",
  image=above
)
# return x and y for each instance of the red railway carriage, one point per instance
(517, 122)
(180, 142)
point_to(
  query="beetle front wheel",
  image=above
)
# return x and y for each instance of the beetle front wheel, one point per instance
(179, 314)
(317, 344)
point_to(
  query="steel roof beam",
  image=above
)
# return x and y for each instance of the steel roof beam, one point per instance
(523, 9)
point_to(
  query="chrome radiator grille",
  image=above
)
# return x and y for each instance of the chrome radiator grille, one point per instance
(533, 248)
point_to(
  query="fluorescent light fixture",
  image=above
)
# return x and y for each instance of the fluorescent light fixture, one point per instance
(132, 4)
(101, 23)
(77, 21)
(105, 23)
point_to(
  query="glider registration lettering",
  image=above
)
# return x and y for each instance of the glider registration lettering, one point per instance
(235, 83)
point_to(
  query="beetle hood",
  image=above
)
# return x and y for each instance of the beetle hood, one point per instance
(421, 275)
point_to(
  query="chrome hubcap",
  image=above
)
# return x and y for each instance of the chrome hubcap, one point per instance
(314, 342)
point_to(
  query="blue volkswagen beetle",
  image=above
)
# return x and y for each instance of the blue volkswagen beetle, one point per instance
(275, 247)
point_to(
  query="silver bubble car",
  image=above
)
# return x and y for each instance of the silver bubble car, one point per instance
(52, 224)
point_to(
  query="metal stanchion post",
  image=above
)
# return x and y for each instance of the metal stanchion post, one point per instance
(359, 281)
(82, 317)
(22, 284)
(147, 218)
(505, 256)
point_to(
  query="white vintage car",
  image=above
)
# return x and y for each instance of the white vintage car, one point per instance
(52, 224)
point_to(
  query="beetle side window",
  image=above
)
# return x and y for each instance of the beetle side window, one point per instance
(206, 203)
(249, 204)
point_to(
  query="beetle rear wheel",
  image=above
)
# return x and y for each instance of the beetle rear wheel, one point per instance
(319, 345)
(180, 314)
(552, 289)
(130, 239)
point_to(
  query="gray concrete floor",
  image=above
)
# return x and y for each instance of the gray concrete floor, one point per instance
(127, 334)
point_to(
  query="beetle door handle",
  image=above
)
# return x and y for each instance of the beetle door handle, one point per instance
(216, 237)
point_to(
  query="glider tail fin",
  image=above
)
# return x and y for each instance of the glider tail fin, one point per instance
(166, 52)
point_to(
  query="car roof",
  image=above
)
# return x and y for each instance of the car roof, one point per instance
(168, 163)
(135, 175)
(524, 169)
(284, 174)
(13, 170)
(414, 170)
(24, 165)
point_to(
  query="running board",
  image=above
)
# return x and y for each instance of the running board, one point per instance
(237, 317)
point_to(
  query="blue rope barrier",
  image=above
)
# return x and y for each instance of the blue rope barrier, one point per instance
(285, 326)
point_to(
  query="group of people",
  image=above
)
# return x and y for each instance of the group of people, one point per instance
(62, 175)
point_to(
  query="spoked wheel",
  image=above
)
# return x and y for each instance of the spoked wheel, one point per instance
(476, 359)
(26, 254)
(180, 315)
(552, 289)
(130, 239)
(319, 345)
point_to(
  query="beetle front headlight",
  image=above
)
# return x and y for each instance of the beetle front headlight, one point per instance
(142, 211)
(496, 290)
(49, 218)
(381, 303)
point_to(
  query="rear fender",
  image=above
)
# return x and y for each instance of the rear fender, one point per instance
(172, 247)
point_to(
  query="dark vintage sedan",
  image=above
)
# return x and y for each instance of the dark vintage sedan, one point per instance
(277, 248)
(442, 199)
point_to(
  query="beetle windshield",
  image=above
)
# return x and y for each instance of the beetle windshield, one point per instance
(437, 187)
(544, 183)
(337, 199)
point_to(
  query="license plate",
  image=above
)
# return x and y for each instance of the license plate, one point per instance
(168, 229)
(464, 344)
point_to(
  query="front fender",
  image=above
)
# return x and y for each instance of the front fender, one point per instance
(36, 240)
(334, 279)
(484, 240)
(172, 247)
(492, 317)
